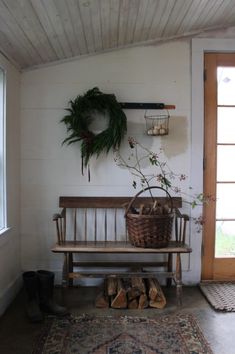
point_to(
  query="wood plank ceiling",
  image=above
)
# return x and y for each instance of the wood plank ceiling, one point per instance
(37, 32)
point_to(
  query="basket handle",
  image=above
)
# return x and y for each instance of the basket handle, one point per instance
(144, 190)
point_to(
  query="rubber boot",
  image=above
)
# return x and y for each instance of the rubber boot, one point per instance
(46, 288)
(31, 287)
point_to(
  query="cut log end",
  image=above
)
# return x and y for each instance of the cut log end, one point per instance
(102, 301)
(120, 300)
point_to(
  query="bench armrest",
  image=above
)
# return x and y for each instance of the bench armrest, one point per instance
(180, 215)
(56, 217)
(59, 219)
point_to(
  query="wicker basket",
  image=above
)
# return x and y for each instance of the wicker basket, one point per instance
(149, 231)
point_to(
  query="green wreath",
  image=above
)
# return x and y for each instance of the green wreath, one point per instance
(81, 116)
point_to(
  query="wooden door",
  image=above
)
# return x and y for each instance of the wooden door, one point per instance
(218, 261)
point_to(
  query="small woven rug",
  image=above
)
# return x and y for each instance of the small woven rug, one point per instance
(123, 335)
(220, 295)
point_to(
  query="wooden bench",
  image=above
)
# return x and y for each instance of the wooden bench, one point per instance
(94, 226)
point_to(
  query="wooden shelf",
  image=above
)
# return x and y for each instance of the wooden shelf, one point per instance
(140, 105)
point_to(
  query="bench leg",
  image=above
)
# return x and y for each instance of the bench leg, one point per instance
(169, 269)
(70, 266)
(178, 278)
(65, 271)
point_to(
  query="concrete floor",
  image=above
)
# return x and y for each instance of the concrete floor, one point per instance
(17, 334)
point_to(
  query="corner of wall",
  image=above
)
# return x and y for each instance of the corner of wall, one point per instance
(8, 295)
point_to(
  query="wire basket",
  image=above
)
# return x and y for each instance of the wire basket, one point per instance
(157, 124)
(149, 231)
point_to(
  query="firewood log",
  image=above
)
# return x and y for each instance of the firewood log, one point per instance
(126, 283)
(158, 304)
(120, 300)
(133, 293)
(138, 283)
(141, 209)
(102, 301)
(133, 304)
(152, 210)
(143, 302)
(158, 301)
(137, 287)
(111, 286)
(152, 288)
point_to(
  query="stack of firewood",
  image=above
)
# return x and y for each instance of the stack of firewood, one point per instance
(155, 208)
(134, 293)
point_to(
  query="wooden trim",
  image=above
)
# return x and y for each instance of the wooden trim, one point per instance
(224, 59)
(210, 138)
(221, 269)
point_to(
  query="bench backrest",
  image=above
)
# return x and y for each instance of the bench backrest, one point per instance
(111, 202)
(98, 218)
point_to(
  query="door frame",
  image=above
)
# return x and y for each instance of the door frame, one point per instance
(213, 268)
(198, 48)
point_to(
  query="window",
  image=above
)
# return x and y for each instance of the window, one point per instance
(2, 153)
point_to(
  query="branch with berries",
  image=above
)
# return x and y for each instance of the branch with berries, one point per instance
(161, 174)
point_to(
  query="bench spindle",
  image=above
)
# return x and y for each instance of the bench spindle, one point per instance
(115, 224)
(75, 225)
(95, 226)
(105, 225)
(85, 226)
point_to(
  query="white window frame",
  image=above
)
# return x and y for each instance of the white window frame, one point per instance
(3, 202)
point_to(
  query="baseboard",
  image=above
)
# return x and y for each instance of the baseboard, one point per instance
(9, 294)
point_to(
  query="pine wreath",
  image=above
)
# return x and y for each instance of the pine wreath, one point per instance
(81, 115)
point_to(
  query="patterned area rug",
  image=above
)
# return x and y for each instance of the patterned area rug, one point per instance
(123, 335)
(220, 295)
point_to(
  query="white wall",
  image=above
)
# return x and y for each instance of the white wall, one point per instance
(10, 275)
(146, 74)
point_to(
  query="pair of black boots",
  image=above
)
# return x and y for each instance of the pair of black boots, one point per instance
(39, 287)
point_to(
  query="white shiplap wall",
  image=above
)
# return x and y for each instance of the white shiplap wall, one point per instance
(49, 170)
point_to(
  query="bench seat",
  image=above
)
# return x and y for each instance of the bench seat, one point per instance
(116, 247)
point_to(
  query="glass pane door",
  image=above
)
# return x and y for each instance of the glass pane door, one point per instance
(225, 176)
